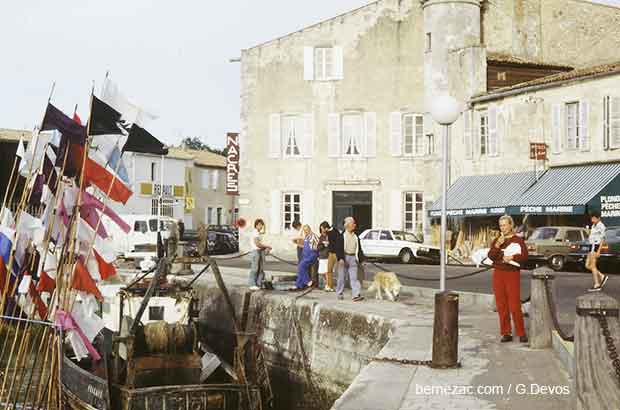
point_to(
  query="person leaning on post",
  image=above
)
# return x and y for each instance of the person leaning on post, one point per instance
(597, 240)
(350, 255)
(258, 250)
(507, 279)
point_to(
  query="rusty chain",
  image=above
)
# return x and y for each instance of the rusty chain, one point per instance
(407, 362)
(611, 347)
(554, 314)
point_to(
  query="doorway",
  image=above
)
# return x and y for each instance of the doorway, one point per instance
(357, 204)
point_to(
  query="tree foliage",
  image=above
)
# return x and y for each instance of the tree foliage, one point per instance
(197, 144)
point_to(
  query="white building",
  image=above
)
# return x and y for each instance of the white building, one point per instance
(335, 117)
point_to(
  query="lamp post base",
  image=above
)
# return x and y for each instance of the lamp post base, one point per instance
(446, 331)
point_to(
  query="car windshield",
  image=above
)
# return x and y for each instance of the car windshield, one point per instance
(405, 236)
(542, 234)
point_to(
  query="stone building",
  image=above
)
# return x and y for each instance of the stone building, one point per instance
(335, 117)
(212, 205)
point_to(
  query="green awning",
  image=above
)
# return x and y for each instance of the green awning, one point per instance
(485, 194)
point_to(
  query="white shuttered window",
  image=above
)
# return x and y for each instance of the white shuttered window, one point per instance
(556, 129)
(323, 63)
(483, 132)
(611, 116)
(572, 126)
(291, 136)
(413, 138)
(291, 208)
(467, 139)
(413, 215)
(352, 135)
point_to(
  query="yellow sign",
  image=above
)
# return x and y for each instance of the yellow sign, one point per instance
(189, 203)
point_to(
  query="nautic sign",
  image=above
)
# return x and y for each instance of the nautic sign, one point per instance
(232, 164)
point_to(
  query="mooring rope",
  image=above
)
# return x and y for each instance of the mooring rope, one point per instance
(554, 314)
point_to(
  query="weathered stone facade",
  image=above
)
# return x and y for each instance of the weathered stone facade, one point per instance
(396, 55)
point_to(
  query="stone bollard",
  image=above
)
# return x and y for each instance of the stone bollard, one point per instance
(541, 324)
(597, 381)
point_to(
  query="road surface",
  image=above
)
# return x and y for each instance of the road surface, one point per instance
(567, 285)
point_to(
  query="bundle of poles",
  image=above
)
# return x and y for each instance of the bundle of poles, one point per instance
(31, 346)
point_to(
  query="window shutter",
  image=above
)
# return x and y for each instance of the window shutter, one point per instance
(476, 134)
(467, 134)
(614, 122)
(370, 125)
(396, 210)
(307, 207)
(427, 127)
(333, 136)
(214, 177)
(338, 64)
(606, 122)
(275, 224)
(492, 144)
(584, 137)
(556, 130)
(396, 133)
(275, 138)
(308, 63)
(308, 135)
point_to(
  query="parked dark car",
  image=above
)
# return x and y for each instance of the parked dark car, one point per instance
(224, 228)
(217, 242)
(610, 251)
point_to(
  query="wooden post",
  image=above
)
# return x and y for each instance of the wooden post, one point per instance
(446, 331)
(541, 325)
(596, 383)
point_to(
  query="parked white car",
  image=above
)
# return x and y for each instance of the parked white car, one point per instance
(408, 248)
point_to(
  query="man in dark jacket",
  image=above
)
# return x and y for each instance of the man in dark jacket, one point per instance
(335, 253)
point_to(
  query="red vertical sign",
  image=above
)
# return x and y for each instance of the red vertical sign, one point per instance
(232, 164)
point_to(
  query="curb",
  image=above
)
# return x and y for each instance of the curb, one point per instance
(470, 299)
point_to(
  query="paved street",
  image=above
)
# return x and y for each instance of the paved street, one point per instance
(568, 285)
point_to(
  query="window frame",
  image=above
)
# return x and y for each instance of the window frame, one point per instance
(483, 137)
(320, 61)
(209, 215)
(578, 142)
(413, 214)
(294, 215)
(358, 139)
(416, 138)
(296, 120)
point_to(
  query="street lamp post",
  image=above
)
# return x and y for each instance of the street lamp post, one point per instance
(445, 111)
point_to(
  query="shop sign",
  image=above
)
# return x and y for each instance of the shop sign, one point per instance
(610, 206)
(538, 151)
(232, 164)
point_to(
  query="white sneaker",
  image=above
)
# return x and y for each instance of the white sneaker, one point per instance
(253, 288)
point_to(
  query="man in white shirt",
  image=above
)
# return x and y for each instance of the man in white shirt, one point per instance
(597, 240)
(351, 254)
(257, 250)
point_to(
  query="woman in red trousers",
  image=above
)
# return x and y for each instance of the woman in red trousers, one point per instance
(507, 279)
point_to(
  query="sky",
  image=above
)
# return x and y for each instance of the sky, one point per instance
(169, 57)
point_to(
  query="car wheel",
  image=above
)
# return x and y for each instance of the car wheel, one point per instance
(556, 262)
(406, 256)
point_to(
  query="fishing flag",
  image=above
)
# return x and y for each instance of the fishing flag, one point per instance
(71, 130)
(90, 201)
(46, 283)
(106, 151)
(83, 281)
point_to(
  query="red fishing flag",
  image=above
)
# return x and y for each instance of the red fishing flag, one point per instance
(84, 282)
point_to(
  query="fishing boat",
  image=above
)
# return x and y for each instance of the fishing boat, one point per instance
(62, 343)
(152, 358)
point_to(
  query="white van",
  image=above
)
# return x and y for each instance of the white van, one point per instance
(141, 241)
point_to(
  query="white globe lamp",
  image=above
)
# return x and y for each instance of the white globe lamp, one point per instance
(445, 109)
